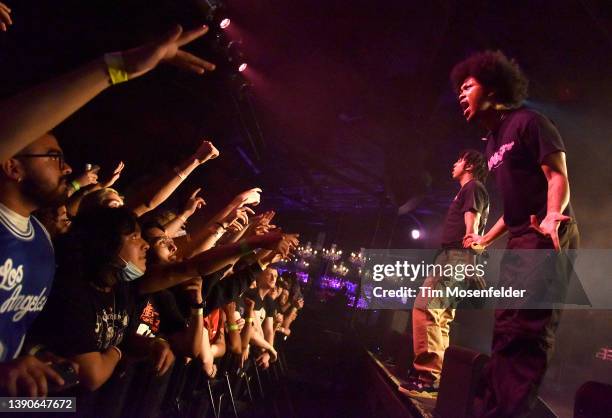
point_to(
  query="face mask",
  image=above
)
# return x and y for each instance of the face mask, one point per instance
(129, 272)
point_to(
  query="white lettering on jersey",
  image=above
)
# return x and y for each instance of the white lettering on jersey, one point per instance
(10, 279)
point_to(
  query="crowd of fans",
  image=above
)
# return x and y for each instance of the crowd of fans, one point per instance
(102, 294)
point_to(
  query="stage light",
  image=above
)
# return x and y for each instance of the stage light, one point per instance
(242, 67)
(415, 234)
(224, 23)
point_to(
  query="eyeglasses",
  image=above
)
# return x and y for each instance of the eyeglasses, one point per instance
(54, 156)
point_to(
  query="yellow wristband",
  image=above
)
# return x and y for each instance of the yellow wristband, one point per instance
(75, 185)
(197, 311)
(115, 67)
(233, 327)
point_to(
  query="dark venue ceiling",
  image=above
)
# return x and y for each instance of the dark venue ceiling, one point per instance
(349, 115)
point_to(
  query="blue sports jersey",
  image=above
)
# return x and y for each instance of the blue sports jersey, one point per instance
(27, 266)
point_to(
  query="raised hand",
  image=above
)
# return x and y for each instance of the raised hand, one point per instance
(114, 176)
(88, 177)
(238, 218)
(5, 17)
(138, 61)
(287, 243)
(206, 151)
(260, 224)
(278, 242)
(194, 203)
(248, 197)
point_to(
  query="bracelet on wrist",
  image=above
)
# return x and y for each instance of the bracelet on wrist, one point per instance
(233, 327)
(37, 349)
(117, 350)
(115, 68)
(179, 173)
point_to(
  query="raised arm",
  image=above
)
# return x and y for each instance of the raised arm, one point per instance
(163, 277)
(236, 211)
(29, 115)
(194, 203)
(161, 188)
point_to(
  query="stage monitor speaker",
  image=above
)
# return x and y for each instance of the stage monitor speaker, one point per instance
(461, 373)
(593, 400)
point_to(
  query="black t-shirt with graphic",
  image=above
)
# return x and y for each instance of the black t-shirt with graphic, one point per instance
(160, 315)
(472, 197)
(515, 152)
(79, 318)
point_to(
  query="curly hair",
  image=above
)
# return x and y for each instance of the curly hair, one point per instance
(495, 72)
(477, 160)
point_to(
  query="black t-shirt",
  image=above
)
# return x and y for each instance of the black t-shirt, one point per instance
(472, 197)
(160, 315)
(515, 152)
(79, 318)
(261, 310)
(270, 306)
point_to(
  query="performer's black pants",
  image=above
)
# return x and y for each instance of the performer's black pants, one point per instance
(523, 339)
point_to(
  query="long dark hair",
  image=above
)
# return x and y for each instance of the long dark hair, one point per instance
(89, 250)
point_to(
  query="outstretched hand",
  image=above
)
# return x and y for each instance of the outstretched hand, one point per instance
(194, 203)
(248, 197)
(140, 60)
(278, 242)
(114, 177)
(88, 177)
(5, 17)
(549, 226)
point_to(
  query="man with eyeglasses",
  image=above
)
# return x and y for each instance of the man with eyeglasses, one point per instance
(36, 177)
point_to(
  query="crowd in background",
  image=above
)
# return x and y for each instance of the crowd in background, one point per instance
(100, 291)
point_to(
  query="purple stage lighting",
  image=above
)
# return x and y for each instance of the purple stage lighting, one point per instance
(415, 234)
(242, 67)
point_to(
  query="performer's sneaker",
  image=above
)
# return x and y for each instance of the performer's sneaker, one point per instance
(419, 389)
